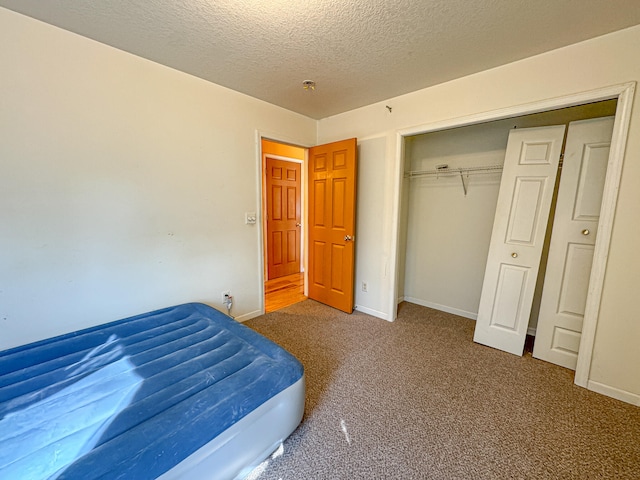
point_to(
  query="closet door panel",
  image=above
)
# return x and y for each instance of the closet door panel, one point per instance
(512, 283)
(524, 201)
(573, 238)
(527, 201)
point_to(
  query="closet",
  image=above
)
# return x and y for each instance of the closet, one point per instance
(449, 204)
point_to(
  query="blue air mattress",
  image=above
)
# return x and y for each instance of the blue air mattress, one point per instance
(183, 392)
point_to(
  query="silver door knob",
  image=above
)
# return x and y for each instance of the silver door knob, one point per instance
(298, 224)
(347, 238)
(514, 255)
(586, 231)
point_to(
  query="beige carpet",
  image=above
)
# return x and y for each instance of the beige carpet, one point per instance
(417, 399)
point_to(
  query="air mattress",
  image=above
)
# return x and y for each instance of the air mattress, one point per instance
(174, 393)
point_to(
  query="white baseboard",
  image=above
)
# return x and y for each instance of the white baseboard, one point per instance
(248, 316)
(613, 392)
(455, 311)
(372, 312)
(442, 308)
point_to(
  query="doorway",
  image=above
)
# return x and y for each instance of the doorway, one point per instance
(283, 213)
(327, 212)
(623, 94)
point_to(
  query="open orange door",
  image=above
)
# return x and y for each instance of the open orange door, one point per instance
(332, 215)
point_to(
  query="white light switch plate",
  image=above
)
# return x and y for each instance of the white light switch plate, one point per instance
(250, 218)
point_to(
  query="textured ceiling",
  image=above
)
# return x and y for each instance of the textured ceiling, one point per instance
(358, 51)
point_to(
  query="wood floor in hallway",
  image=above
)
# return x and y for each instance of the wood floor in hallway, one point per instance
(283, 291)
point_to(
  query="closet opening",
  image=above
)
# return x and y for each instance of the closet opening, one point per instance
(448, 183)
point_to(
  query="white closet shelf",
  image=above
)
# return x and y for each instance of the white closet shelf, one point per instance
(454, 171)
(461, 171)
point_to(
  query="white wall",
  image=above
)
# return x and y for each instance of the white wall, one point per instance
(448, 233)
(596, 63)
(369, 228)
(123, 184)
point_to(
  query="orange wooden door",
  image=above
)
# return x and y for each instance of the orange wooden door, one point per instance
(283, 217)
(332, 209)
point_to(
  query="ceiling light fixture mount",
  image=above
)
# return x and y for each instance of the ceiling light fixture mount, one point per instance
(309, 85)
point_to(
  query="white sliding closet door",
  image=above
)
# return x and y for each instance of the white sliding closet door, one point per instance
(575, 226)
(524, 200)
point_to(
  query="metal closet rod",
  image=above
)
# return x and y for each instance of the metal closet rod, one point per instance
(462, 171)
(454, 171)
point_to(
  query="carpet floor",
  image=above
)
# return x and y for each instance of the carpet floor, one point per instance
(417, 399)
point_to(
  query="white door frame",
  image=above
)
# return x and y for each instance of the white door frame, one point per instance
(624, 94)
(260, 135)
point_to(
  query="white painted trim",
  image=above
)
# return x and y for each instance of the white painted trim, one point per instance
(395, 225)
(443, 308)
(249, 316)
(372, 312)
(613, 392)
(279, 138)
(531, 331)
(259, 193)
(605, 93)
(624, 93)
(605, 229)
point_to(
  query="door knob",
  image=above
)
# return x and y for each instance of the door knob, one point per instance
(514, 255)
(586, 231)
(298, 224)
(348, 238)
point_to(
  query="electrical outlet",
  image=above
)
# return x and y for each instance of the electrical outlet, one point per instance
(225, 296)
(364, 286)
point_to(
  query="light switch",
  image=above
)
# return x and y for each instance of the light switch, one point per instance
(250, 218)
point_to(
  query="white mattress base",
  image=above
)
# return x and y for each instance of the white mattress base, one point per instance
(242, 447)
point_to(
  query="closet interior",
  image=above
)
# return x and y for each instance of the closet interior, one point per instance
(449, 197)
